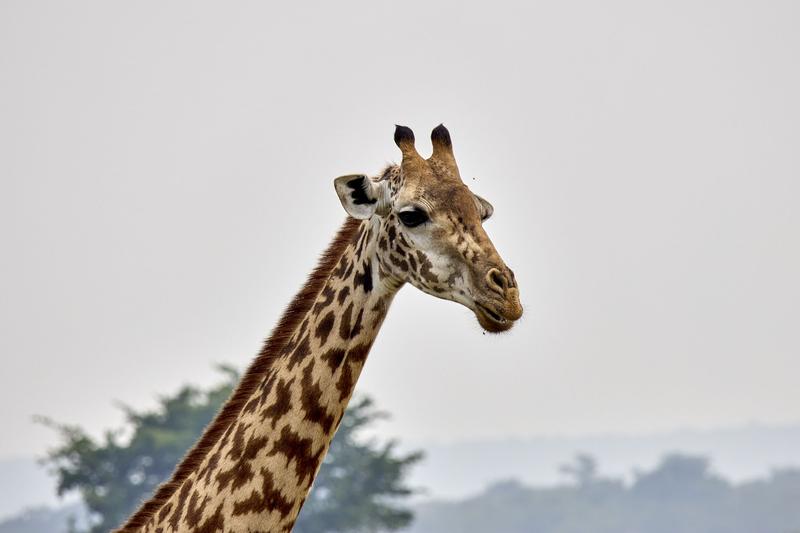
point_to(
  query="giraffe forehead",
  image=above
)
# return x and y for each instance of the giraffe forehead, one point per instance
(430, 173)
(444, 201)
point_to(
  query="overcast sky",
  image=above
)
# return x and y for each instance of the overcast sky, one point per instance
(167, 178)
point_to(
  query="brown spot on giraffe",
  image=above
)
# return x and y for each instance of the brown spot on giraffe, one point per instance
(268, 497)
(345, 327)
(164, 512)
(209, 467)
(334, 358)
(346, 381)
(399, 263)
(343, 293)
(328, 293)
(425, 267)
(282, 404)
(314, 411)
(357, 327)
(358, 354)
(324, 327)
(214, 524)
(241, 472)
(174, 519)
(194, 510)
(298, 450)
(364, 279)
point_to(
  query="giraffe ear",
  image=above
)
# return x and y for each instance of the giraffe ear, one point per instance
(359, 196)
(484, 207)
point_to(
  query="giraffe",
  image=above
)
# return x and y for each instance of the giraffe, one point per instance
(415, 223)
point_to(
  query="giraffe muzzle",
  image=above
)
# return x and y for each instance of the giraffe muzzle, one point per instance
(502, 308)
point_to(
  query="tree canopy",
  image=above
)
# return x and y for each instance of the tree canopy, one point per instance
(360, 486)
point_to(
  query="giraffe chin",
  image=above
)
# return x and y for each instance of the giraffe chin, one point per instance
(491, 321)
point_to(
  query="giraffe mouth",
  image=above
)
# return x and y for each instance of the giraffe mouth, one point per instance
(490, 320)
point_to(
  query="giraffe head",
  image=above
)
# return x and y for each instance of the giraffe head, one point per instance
(431, 231)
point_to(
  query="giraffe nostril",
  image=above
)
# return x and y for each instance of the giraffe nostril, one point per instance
(512, 278)
(497, 281)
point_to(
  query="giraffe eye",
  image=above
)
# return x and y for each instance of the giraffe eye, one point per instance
(413, 218)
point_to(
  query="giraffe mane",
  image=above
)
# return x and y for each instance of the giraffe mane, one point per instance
(252, 378)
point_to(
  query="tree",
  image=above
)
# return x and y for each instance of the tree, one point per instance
(359, 483)
(360, 486)
(680, 477)
(680, 494)
(583, 470)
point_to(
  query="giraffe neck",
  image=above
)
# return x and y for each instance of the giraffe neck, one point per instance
(256, 475)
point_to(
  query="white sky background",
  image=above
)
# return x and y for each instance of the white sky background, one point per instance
(166, 185)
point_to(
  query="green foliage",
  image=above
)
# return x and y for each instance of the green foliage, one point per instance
(359, 483)
(682, 494)
(113, 475)
(359, 487)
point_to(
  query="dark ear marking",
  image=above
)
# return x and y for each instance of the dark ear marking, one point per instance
(359, 193)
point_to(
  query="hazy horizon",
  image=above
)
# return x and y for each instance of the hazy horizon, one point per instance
(457, 470)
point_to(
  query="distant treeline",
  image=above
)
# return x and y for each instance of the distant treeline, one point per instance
(680, 495)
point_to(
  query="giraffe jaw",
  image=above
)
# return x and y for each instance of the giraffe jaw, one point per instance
(491, 321)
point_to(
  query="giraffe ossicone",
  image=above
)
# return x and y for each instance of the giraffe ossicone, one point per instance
(415, 223)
